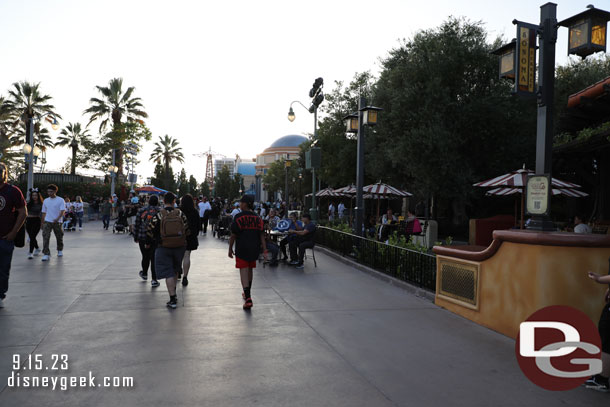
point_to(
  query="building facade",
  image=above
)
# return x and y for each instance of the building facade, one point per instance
(286, 148)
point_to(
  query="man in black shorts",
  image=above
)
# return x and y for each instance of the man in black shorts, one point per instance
(600, 381)
(248, 234)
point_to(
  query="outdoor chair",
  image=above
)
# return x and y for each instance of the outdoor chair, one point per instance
(313, 254)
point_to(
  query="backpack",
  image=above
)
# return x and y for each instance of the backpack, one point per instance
(172, 229)
(146, 217)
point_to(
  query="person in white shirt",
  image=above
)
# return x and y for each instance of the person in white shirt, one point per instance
(204, 214)
(580, 226)
(331, 212)
(236, 210)
(53, 209)
(341, 210)
(79, 209)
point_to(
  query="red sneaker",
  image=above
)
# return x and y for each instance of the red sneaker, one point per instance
(248, 304)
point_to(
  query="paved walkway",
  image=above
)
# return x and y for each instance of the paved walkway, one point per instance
(325, 336)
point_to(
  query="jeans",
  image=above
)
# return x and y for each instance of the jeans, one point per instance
(273, 248)
(46, 236)
(301, 245)
(80, 215)
(6, 256)
(32, 225)
(204, 223)
(106, 221)
(148, 259)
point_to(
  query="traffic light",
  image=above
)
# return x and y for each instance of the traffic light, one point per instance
(316, 87)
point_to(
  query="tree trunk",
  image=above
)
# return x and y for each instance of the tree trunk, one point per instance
(73, 169)
(167, 184)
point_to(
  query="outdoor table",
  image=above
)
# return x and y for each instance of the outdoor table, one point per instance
(276, 235)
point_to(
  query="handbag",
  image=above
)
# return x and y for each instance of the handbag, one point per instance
(20, 238)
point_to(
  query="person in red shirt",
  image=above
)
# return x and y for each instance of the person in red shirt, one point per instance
(248, 234)
(12, 216)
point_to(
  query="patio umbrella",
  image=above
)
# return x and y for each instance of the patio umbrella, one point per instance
(385, 191)
(151, 189)
(514, 182)
(329, 192)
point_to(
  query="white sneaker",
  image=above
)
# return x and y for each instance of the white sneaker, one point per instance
(36, 252)
(30, 255)
(60, 253)
(80, 228)
(45, 257)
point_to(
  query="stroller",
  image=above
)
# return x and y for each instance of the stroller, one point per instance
(223, 229)
(69, 223)
(121, 225)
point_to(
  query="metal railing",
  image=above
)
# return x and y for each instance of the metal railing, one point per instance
(404, 264)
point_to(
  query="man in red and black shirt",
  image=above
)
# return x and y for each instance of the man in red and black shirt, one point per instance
(12, 215)
(248, 235)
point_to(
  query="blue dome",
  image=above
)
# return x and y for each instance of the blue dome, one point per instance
(289, 141)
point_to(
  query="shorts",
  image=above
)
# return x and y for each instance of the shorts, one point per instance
(168, 261)
(604, 328)
(243, 264)
(131, 220)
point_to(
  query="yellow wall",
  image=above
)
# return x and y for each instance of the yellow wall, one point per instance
(520, 279)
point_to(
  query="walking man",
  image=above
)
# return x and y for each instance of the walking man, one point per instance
(143, 219)
(12, 215)
(53, 209)
(247, 233)
(168, 230)
(600, 381)
(106, 210)
(204, 213)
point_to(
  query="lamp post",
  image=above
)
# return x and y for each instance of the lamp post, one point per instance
(317, 97)
(587, 35)
(113, 170)
(367, 115)
(287, 164)
(33, 152)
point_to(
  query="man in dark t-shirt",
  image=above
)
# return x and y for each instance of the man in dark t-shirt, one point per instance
(248, 236)
(304, 240)
(12, 215)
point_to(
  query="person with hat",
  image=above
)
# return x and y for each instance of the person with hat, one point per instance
(248, 236)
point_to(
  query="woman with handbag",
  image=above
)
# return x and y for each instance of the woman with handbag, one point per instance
(32, 222)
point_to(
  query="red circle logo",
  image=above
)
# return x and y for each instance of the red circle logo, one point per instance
(558, 348)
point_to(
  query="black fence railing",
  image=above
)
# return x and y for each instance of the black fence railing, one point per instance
(404, 264)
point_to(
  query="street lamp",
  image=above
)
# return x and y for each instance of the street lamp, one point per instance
(587, 31)
(587, 36)
(506, 54)
(312, 156)
(113, 170)
(367, 115)
(291, 115)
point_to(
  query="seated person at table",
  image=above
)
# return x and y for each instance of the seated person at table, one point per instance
(303, 241)
(580, 226)
(273, 219)
(388, 217)
(294, 225)
(273, 249)
(413, 225)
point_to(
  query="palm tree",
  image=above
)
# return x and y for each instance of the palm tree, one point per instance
(28, 103)
(74, 136)
(167, 150)
(7, 153)
(112, 107)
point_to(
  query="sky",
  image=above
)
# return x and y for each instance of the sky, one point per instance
(221, 75)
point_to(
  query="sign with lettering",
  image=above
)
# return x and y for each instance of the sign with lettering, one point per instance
(526, 60)
(538, 194)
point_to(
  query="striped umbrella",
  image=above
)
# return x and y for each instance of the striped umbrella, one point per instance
(384, 190)
(347, 191)
(519, 179)
(570, 192)
(329, 192)
(514, 183)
